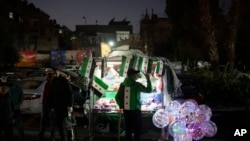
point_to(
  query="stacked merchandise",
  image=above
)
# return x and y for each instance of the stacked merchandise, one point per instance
(106, 80)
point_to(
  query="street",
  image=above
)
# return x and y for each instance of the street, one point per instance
(227, 120)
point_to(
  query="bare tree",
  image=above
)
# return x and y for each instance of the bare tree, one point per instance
(231, 29)
(208, 34)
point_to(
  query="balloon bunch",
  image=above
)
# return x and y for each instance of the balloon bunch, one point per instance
(186, 120)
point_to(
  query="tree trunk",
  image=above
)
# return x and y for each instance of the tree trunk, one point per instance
(232, 29)
(208, 34)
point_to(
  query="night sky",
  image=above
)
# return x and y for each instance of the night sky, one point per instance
(71, 12)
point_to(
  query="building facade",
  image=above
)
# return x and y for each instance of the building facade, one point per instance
(30, 27)
(91, 36)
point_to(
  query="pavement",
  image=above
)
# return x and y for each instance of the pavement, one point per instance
(227, 119)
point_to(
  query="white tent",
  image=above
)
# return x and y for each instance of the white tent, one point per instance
(119, 53)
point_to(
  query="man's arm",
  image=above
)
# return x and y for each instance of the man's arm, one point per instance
(147, 89)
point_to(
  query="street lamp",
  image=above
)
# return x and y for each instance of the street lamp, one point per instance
(85, 19)
(111, 43)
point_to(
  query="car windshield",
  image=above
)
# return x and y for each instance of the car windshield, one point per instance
(30, 84)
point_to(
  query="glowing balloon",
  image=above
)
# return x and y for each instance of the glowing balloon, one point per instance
(183, 137)
(195, 130)
(172, 109)
(177, 128)
(173, 105)
(189, 103)
(205, 110)
(187, 110)
(209, 128)
(187, 121)
(193, 101)
(160, 118)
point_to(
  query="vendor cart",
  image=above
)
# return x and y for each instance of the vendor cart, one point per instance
(108, 73)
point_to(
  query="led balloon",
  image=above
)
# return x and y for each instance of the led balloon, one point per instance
(195, 130)
(160, 118)
(209, 128)
(177, 128)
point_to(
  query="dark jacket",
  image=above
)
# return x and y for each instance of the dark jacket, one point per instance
(61, 95)
(6, 112)
(129, 94)
(17, 96)
(46, 93)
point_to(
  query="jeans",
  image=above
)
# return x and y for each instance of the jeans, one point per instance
(47, 118)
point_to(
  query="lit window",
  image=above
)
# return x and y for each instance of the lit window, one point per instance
(11, 15)
(60, 31)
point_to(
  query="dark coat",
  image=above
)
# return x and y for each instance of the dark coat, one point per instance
(17, 96)
(61, 95)
(6, 112)
(46, 93)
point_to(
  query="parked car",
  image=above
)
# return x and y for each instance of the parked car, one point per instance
(37, 73)
(73, 68)
(73, 75)
(33, 88)
(33, 91)
(8, 77)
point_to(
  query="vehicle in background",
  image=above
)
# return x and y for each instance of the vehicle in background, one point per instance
(37, 73)
(33, 91)
(6, 77)
(41, 72)
(33, 88)
(73, 68)
(74, 77)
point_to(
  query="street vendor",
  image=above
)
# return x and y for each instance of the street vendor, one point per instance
(128, 98)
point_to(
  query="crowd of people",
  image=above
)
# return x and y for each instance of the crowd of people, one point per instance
(11, 97)
(57, 104)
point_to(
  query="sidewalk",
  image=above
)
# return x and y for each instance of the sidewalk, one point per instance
(226, 119)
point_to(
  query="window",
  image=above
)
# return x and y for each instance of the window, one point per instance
(11, 15)
(60, 31)
(30, 84)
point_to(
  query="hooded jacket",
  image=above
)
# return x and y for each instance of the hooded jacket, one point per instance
(129, 94)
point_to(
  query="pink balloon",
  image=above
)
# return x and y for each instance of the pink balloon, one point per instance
(209, 128)
(195, 130)
(206, 111)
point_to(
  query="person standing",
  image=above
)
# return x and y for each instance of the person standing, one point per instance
(6, 112)
(128, 98)
(17, 98)
(61, 101)
(47, 117)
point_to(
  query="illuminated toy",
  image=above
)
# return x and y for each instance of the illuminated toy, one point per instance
(186, 120)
